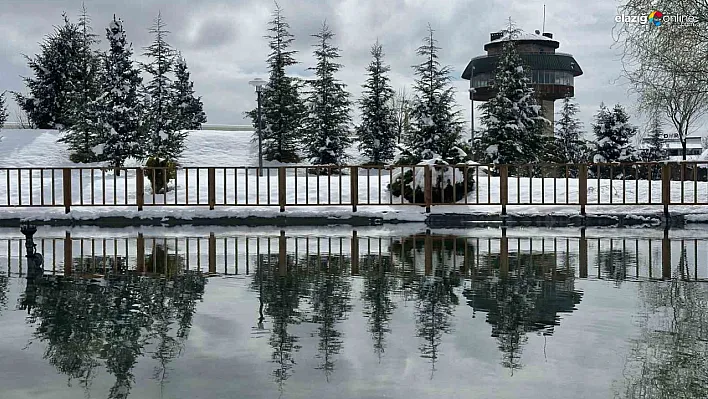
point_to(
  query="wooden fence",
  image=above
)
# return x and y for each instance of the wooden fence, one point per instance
(474, 257)
(352, 186)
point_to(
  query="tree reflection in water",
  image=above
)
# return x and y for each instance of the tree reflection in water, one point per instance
(669, 359)
(526, 299)
(4, 286)
(379, 286)
(112, 321)
(330, 298)
(280, 290)
(439, 259)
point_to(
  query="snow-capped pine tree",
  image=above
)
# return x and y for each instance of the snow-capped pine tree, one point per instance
(162, 139)
(189, 109)
(377, 132)
(119, 106)
(83, 134)
(3, 110)
(655, 150)
(512, 120)
(326, 128)
(568, 133)
(613, 135)
(57, 76)
(435, 126)
(282, 107)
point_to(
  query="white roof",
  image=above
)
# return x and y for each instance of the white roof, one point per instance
(523, 36)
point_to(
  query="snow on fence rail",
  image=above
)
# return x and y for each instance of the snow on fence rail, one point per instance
(556, 258)
(295, 186)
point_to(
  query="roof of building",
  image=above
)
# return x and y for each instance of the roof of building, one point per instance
(549, 62)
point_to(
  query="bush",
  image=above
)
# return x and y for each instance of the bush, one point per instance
(161, 172)
(411, 187)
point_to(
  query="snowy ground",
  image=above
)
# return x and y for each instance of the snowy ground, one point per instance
(241, 192)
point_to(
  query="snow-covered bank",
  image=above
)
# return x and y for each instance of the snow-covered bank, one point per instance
(326, 196)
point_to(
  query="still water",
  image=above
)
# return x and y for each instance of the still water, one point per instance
(482, 313)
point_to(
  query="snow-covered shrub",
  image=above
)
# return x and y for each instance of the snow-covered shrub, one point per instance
(448, 182)
(160, 172)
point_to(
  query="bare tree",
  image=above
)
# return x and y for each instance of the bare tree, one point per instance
(666, 60)
(23, 120)
(401, 106)
(679, 98)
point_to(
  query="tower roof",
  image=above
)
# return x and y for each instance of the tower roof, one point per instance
(499, 38)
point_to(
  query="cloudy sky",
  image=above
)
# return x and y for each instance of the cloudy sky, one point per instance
(224, 45)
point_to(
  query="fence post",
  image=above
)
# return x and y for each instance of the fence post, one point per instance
(140, 188)
(666, 189)
(354, 186)
(665, 256)
(583, 254)
(355, 253)
(428, 188)
(282, 254)
(211, 187)
(504, 254)
(503, 187)
(140, 250)
(212, 253)
(66, 188)
(68, 254)
(282, 198)
(583, 188)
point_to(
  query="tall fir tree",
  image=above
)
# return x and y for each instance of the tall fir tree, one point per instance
(162, 139)
(512, 120)
(377, 133)
(568, 133)
(57, 71)
(119, 108)
(613, 134)
(282, 107)
(327, 125)
(83, 136)
(188, 108)
(435, 126)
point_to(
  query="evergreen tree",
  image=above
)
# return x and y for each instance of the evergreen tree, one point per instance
(282, 108)
(83, 136)
(613, 135)
(512, 119)
(189, 109)
(327, 125)
(568, 133)
(57, 78)
(436, 128)
(3, 110)
(377, 132)
(162, 139)
(655, 150)
(119, 108)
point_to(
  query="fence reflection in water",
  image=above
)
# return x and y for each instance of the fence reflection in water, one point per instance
(594, 257)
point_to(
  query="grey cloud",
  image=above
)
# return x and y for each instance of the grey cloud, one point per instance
(224, 45)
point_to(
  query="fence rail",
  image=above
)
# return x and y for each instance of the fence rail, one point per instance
(666, 184)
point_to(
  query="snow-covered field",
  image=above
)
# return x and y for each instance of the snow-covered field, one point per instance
(305, 194)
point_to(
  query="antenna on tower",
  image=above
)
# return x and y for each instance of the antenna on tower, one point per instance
(544, 19)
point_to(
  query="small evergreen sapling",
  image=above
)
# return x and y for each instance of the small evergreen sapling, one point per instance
(377, 131)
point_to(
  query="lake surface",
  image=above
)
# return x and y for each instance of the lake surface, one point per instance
(482, 313)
